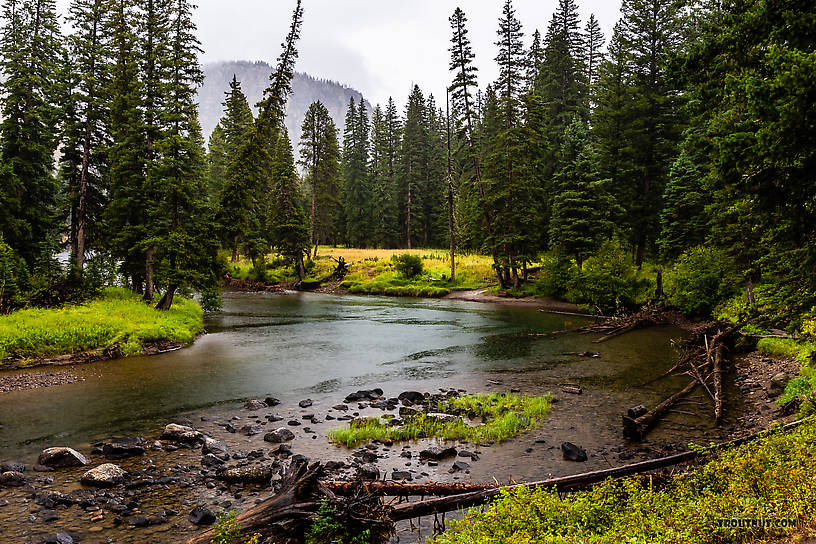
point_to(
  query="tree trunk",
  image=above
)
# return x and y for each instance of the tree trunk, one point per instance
(167, 300)
(234, 258)
(515, 278)
(659, 289)
(749, 290)
(148, 291)
(312, 218)
(641, 253)
(408, 224)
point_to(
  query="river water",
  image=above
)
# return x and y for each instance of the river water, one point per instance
(297, 346)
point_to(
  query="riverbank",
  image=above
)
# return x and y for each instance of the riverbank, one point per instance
(117, 324)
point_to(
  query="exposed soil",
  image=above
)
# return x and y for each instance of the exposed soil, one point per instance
(753, 377)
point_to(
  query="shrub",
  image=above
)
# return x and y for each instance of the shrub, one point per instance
(702, 278)
(12, 279)
(227, 528)
(608, 281)
(408, 265)
(556, 270)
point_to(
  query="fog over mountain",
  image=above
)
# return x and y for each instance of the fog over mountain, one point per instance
(254, 78)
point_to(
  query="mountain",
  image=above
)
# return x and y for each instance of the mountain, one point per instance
(254, 78)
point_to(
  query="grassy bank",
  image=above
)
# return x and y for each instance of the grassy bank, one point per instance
(769, 479)
(117, 316)
(483, 417)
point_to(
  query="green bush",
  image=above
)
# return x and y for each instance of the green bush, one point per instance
(607, 283)
(556, 271)
(13, 277)
(702, 278)
(408, 265)
(327, 529)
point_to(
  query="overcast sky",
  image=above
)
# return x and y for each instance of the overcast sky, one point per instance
(379, 47)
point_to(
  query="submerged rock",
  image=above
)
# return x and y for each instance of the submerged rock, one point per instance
(106, 475)
(11, 466)
(279, 435)
(255, 474)
(572, 452)
(213, 446)
(305, 403)
(122, 448)
(254, 405)
(368, 472)
(13, 479)
(61, 458)
(436, 453)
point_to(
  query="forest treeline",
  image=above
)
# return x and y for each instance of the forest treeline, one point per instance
(687, 135)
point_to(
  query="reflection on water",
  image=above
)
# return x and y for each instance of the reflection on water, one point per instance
(294, 345)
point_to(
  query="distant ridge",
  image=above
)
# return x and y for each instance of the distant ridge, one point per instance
(254, 78)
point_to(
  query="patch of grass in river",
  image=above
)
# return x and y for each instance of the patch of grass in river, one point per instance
(497, 416)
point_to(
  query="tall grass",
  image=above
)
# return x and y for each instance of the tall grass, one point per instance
(770, 479)
(505, 416)
(118, 315)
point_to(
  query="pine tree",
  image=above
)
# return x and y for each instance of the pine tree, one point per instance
(535, 59)
(30, 49)
(593, 50)
(217, 159)
(356, 187)
(383, 195)
(432, 216)
(184, 232)
(228, 136)
(320, 156)
(413, 166)
(582, 204)
(683, 221)
(86, 137)
(288, 224)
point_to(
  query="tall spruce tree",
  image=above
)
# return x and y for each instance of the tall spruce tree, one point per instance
(30, 49)
(320, 156)
(383, 181)
(227, 137)
(356, 187)
(683, 221)
(594, 55)
(288, 225)
(413, 167)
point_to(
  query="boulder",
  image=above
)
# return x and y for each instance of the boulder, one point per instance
(436, 453)
(572, 452)
(213, 446)
(180, 433)
(61, 458)
(279, 435)
(13, 479)
(211, 460)
(780, 380)
(106, 475)
(368, 472)
(122, 448)
(271, 401)
(400, 475)
(414, 397)
(11, 466)
(201, 515)
(305, 403)
(365, 394)
(459, 466)
(254, 474)
(254, 405)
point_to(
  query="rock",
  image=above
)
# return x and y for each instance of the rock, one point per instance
(283, 451)
(48, 515)
(365, 394)
(139, 521)
(256, 474)
(273, 418)
(181, 433)
(211, 460)
(459, 466)
(122, 448)
(305, 403)
(201, 515)
(780, 380)
(11, 466)
(572, 452)
(443, 418)
(59, 538)
(368, 472)
(406, 411)
(254, 405)
(414, 397)
(230, 428)
(251, 430)
(400, 475)
(13, 478)
(572, 389)
(436, 453)
(271, 401)
(213, 446)
(293, 423)
(279, 435)
(53, 499)
(61, 458)
(106, 475)
(340, 407)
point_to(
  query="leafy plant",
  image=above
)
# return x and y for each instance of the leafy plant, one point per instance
(701, 279)
(227, 528)
(408, 265)
(327, 529)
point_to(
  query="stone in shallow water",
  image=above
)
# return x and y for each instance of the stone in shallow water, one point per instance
(13, 479)
(572, 452)
(279, 435)
(106, 475)
(436, 453)
(122, 448)
(255, 404)
(11, 466)
(181, 433)
(212, 445)
(61, 458)
(201, 515)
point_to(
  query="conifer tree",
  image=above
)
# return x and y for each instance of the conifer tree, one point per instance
(320, 155)
(593, 49)
(383, 188)
(226, 139)
(217, 160)
(582, 204)
(413, 166)
(432, 217)
(86, 136)
(288, 224)
(535, 59)
(356, 188)
(683, 220)
(30, 49)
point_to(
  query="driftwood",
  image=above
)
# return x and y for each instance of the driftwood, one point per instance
(636, 428)
(402, 489)
(718, 388)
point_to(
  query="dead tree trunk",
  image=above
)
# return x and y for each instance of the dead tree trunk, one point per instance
(148, 291)
(718, 388)
(635, 428)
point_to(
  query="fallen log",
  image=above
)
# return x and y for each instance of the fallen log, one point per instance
(402, 489)
(636, 428)
(718, 388)
(567, 483)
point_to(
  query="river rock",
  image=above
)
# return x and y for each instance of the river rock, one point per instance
(12, 466)
(53, 499)
(572, 452)
(255, 474)
(181, 433)
(213, 446)
(400, 475)
(443, 417)
(254, 405)
(251, 430)
(413, 397)
(59, 538)
(406, 411)
(271, 401)
(13, 479)
(305, 403)
(780, 380)
(201, 515)
(436, 453)
(211, 460)
(61, 458)
(459, 466)
(122, 448)
(106, 475)
(279, 435)
(368, 472)
(365, 394)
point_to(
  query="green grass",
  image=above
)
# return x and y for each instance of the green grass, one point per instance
(772, 478)
(506, 416)
(803, 385)
(118, 315)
